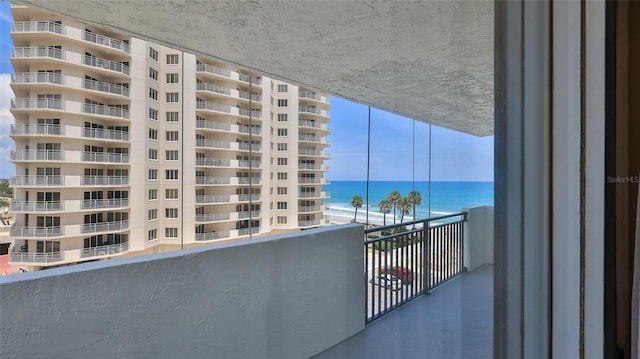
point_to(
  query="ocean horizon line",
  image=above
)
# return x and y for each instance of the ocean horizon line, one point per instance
(392, 181)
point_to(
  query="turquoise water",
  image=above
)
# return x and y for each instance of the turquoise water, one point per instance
(446, 197)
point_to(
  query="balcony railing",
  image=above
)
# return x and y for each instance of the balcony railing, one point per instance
(203, 199)
(406, 260)
(205, 86)
(31, 52)
(33, 180)
(102, 110)
(310, 109)
(107, 87)
(105, 180)
(37, 103)
(247, 164)
(204, 105)
(105, 41)
(105, 64)
(245, 95)
(202, 142)
(212, 217)
(314, 194)
(214, 70)
(311, 166)
(38, 77)
(105, 157)
(105, 226)
(311, 152)
(309, 222)
(247, 78)
(245, 112)
(44, 129)
(32, 257)
(105, 203)
(209, 236)
(105, 250)
(36, 206)
(248, 214)
(253, 129)
(38, 26)
(39, 232)
(36, 155)
(247, 231)
(100, 133)
(248, 197)
(308, 180)
(249, 180)
(316, 208)
(213, 162)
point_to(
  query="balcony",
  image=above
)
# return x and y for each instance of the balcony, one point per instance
(223, 162)
(313, 124)
(105, 181)
(313, 109)
(318, 181)
(36, 206)
(37, 232)
(316, 208)
(211, 181)
(307, 137)
(313, 167)
(36, 103)
(31, 130)
(311, 152)
(38, 26)
(105, 64)
(99, 133)
(226, 145)
(36, 155)
(212, 106)
(322, 194)
(38, 77)
(453, 321)
(213, 70)
(105, 157)
(36, 181)
(106, 87)
(247, 78)
(226, 198)
(227, 127)
(37, 52)
(105, 227)
(68, 256)
(110, 111)
(105, 41)
(113, 203)
(205, 86)
(311, 222)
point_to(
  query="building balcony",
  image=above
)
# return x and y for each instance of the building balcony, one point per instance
(318, 181)
(226, 145)
(311, 153)
(105, 181)
(306, 137)
(69, 82)
(36, 232)
(38, 78)
(105, 64)
(316, 208)
(312, 96)
(312, 167)
(213, 181)
(68, 181)
(37, 130)
(319, 194)
(227, 127)
(37, 103)
(223, 162)
(226, 216)
(114, 226)
(227, 74)
(45, 130)
(313, 110)
(109, 111)
(454, 321)
(106, 41)
(68, 205)
(317, 125)
(38, 26)
(36, 181)
(38, 52)
(105, 87)
(105, 134)
(114, 203)
(105, 157)
(22, 155)
(312, 222)
(36, 206)
(226, 198)
(68, 256)
(226, 109)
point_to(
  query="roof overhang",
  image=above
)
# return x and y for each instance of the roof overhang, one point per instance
(427, 60)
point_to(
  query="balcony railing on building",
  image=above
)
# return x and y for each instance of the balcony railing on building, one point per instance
(105, 203)
(214, 70)
(406, 260)
(321, 194)
(105, 157)
(247, 78)
(38, 77)
(39, 232)
(310, 95)
(42, 51)
(205, 105)
(105, 180)
(246, 95)
(105, 41)
(37, 103)
(316, 208)
(36, 206)
(209, 236)
(308, 180)
(39, 129)
(205, 86)
(25, 257)
(311, 166)
(246, 112)
(107, 87)
(212, 217)
(37, 258)
(38, 26)
(34, 180)
(105, 64)
(102, 110)
(115, 135)
(310, 222)
(105, 250)
(105, 226)
(36, 155)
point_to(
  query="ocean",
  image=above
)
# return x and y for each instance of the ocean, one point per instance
(446, 197)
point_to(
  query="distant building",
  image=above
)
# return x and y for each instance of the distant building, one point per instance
(125, 147)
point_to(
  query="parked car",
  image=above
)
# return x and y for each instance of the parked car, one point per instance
(387, 281)
(402, 273)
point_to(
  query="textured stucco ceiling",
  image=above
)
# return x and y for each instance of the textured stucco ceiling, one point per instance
(427, 60)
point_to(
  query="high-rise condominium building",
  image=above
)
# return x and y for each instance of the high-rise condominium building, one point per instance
(124, 147)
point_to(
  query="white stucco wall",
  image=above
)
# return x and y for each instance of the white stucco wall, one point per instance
(478, 237)
(285, 296)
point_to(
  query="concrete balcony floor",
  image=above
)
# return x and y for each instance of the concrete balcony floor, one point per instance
(454, 321)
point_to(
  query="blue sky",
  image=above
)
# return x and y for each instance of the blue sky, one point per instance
(455, 156)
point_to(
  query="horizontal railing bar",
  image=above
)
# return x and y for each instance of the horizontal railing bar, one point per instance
(391, 226)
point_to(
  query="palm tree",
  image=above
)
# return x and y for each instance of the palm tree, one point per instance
(415, 198)
(356, 201)
(394, 197)
(404, 206)
(385, 208)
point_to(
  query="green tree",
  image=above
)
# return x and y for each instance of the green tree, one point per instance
(404, 206)
(385, 208)
(5, 189)
(356, 201)
(415, 198)
(394, 197)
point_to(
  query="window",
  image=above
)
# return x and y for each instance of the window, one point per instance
(282, 146)
(153, 235)
(171, 193)
(283, 117)
(282, 205)
(282, 132)
(283, 103)
(173, 78)
(282, 176)
(153, 214)
(153, 114)
(173, 97)
(153, 134)
(153, 175)
(153, 73)
(172, 116)
(282, 220)
(282, 190)
(153, 94)
(173, 59)
(282, 161)
(153, 154)
(171, 232)
(172, 136)
(171, 174)
(171, 155)
(282, 88)
(153, 194)
(170, 213)
(153, 53)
